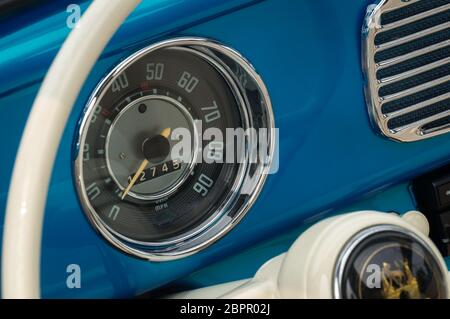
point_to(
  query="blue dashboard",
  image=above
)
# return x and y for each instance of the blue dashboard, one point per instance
(330, 159)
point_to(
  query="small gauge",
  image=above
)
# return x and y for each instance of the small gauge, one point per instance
(144, 192)
(388, 262)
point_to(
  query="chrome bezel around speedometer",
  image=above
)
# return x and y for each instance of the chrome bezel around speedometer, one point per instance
(255, 110)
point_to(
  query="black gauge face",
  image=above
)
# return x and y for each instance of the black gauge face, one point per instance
(148, 175)
(392, 265)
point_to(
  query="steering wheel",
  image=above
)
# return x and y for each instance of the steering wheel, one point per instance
(52, 106)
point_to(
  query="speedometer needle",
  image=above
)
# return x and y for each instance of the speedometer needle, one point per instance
(144, 163)
(135, 177)
(166, 132)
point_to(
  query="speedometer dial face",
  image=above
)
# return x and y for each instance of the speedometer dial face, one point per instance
(148, 179)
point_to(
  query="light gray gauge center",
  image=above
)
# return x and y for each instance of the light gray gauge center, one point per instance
(138, 122)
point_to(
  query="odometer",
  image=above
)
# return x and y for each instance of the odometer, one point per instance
(161, 167)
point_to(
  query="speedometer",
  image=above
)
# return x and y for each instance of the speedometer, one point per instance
(174, 145)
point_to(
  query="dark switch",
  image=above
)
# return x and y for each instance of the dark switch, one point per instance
(443, 192)
(444, 229)
(432, 193)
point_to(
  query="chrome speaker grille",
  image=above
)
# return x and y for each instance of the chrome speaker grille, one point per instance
(407, 67)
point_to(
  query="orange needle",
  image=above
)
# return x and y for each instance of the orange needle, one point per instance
(135, 177)
(166, 132)
(144, 163)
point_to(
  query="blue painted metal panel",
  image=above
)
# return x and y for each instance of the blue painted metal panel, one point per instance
(395, 199)
(308, 53)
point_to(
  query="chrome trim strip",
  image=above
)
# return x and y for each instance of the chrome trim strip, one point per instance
(414, 89)
(411, 37)
(438, 128)
(413, 72)
(414, 54)
(415, 107)
(415, 18)
(418, 124)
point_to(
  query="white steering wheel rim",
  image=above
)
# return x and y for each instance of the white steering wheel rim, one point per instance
(21, 255)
